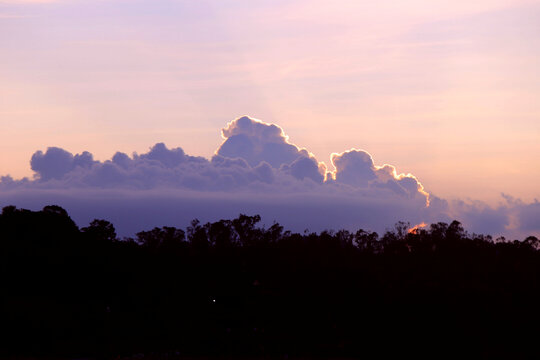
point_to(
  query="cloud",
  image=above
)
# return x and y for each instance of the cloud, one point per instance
(255, 170)
(268, 163)
(525, 217)
(256, 141)
(56, 163)
(356, 168)
(305, 168)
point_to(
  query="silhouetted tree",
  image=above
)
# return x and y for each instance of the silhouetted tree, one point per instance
(196, 235)
(247, 233)
(101, 230)
(367, 242)
(232, 288)
(533, 242)
(220, 234)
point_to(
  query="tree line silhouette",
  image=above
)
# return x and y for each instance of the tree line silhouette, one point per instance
(232, 288)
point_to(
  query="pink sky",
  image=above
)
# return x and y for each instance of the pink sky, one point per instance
(448, 92)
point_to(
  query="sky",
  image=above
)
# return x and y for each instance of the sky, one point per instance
(447, 91)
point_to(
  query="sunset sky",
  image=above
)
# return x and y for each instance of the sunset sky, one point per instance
(448, 91)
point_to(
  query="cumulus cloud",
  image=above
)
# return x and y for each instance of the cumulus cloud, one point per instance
(254, 155)
(356, 168)
(255, 170)
(256, 141)
(305, 168)
(56, 162)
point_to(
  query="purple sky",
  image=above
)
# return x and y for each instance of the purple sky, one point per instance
(447, 91)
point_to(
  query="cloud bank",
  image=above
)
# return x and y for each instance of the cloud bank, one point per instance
(255, 170)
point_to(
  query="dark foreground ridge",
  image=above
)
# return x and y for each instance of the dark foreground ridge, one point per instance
(233, 289)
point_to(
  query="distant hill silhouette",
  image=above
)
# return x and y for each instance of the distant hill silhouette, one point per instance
(234, 289)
